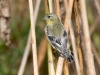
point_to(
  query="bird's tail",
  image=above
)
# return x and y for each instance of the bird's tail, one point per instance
(70, 58)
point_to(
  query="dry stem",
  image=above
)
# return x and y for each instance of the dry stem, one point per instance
(95, 53)
(50, 61)
(27, 48)
(57, 8)
(95, 24)
(34, 50)
(97, 5)
(49, 9)
(66, 70)
(88, 52)
(66, 18)
(68, 21)
(92, 28)
(59, 66)
(78, 37)
(60, 59)
(42, 50)
(25, 56)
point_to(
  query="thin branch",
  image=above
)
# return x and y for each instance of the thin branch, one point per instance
(25, 56)
(47, 6)
(78, 37)
(74, 47)
(50, 61)
(34, 49)
(49, 9)
(95, 53)
(50, 6)
(57, 8)
(97, 6)
(69, 6)
(66, 70)
(66, 18)
(60, 59)
(95, 24)
(27, 47)
(92, 28)
(88, 52)
(42, 50)
(59, 66)
(68, 21)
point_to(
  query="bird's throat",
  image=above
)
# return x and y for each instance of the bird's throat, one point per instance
(49, 22)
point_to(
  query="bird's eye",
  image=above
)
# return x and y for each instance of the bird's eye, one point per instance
(48, 16)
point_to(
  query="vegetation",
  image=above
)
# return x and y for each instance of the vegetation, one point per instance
(83, 29)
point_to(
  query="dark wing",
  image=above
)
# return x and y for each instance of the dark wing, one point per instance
(55, 43)
(64, 41)
(60, 43)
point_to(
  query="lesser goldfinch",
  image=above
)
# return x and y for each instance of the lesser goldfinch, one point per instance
(57, 36)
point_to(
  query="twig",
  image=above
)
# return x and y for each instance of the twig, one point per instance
(50, 61)
(95, 53)
(66, 70)
(92, 28)
(47, 6)
(66, 18)
(50, 6)
(78, 37)
(27, 48)
(34, 50)
(57, 8)
(95, 24)
(49, 9)
(68, 9)
(59, 66)
(50, 56)
(74, 48)
(60, 59)
(25, 56)
(68, 21)
(88, 52)
(97, 5)
(42, 51)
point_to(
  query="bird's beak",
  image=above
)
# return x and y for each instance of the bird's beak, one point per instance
(44, 18)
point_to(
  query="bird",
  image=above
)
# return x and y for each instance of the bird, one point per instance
(57, 36)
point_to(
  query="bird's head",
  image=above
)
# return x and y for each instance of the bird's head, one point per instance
(51, 18)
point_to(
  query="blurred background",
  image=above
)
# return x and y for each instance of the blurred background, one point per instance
(14, 34)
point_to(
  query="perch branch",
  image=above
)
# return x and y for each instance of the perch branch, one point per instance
(66, 70)
(68, 22)
(49, 9)
(60, 59)
(88, 52)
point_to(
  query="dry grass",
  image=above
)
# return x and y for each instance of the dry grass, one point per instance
(62, 67)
